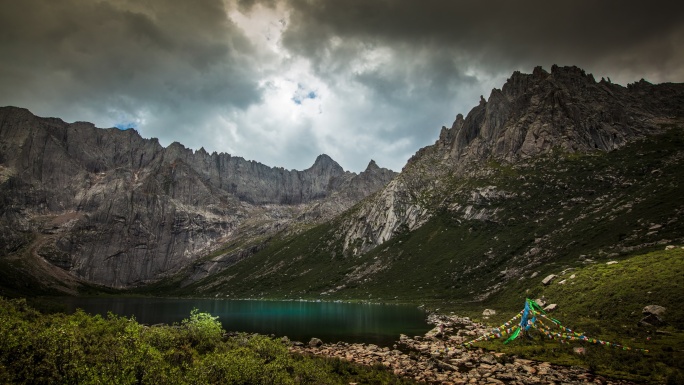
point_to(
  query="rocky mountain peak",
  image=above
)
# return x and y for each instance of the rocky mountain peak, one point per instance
(532, 114)
(323, 161)
(566, 108)
(458, 123)
(372, 166)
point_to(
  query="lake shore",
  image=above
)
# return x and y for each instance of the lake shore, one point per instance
(441, 358)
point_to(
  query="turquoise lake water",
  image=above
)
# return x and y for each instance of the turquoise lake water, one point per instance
(300, 321)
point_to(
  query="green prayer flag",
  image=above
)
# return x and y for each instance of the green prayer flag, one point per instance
(513, 336)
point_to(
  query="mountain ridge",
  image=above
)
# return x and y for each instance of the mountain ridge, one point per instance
(138, 210)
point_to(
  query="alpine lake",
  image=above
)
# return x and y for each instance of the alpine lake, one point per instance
(378, 324)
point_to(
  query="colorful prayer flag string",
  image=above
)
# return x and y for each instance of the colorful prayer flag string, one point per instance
(531, 317)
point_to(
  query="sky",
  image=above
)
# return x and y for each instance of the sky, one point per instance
(282, 81)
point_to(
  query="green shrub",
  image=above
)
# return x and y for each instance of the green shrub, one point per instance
(204, 330)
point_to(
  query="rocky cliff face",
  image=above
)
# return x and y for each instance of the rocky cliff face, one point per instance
(112, 208)
(565, 110)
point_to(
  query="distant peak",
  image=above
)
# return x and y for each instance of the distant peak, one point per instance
(538, 72)
(16, 109)
(323, 159)
(177, 145)
(458, 123)
(372, 166)
(571, 72)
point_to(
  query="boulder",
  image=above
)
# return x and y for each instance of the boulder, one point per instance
(551, 307)
(488, 312)
(548, 279)
(315, 342)
(654, 309)
(653, 315)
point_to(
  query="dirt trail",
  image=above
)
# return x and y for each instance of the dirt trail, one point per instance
(49, 275)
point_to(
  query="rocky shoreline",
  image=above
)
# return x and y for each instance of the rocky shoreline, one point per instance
(436, 360)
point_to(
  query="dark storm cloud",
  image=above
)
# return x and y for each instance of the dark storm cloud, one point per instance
(498, 34)
(124, 58)
(444, 54)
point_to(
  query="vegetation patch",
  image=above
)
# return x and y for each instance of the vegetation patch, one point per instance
(81, 349)
(605, 301)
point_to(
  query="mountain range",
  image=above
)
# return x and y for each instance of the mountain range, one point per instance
(554, 170)
(105, 206)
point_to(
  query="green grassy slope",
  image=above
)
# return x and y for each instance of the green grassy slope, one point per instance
(606, 302)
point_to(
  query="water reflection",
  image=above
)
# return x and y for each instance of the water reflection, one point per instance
(331, 322)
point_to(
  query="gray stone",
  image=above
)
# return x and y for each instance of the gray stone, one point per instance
(548, 279)
(488, 359)
(654, 309)
(315, 342)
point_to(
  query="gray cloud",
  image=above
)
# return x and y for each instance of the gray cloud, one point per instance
(140, 59)
(499, 33)
(385, 74)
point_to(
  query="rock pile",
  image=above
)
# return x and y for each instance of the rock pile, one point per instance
(439, 358)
